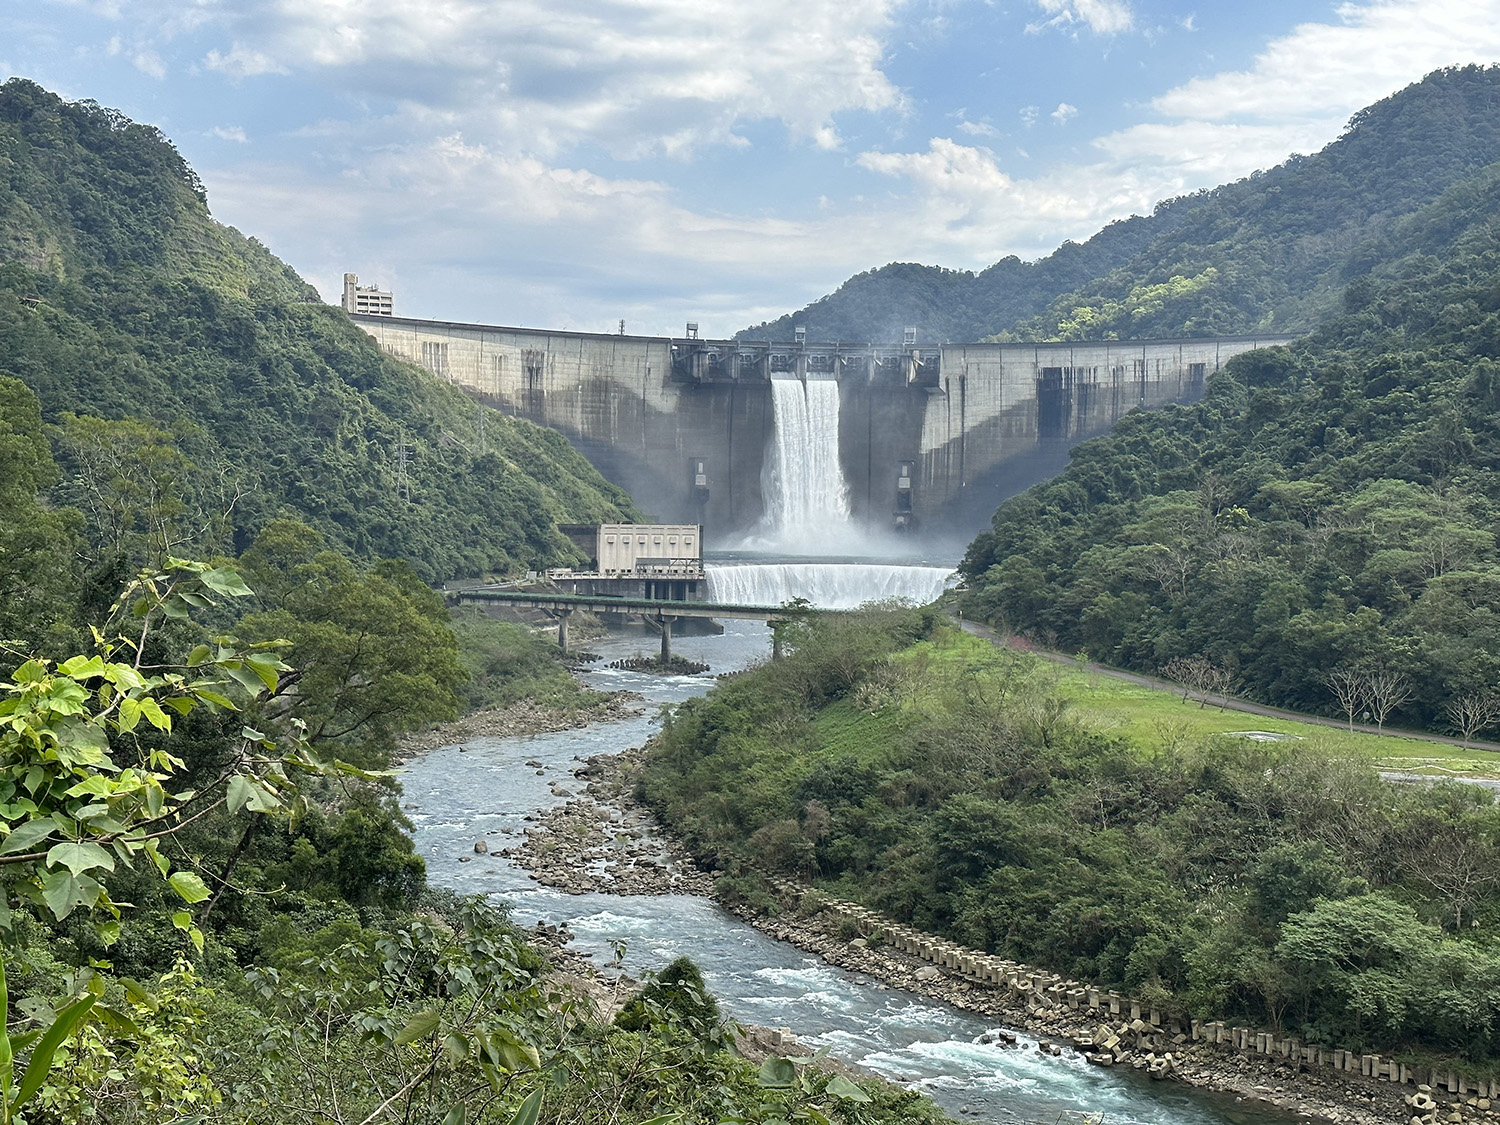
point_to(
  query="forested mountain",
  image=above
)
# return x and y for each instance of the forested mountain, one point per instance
(943, 304)
(210, 906)
(1267, 253)
(173, 355)
(1325, 509)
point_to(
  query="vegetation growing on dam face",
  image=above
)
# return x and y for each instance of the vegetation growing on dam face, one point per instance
(1270, 253)
(166, 348)
(949, 784)
(1324, 510)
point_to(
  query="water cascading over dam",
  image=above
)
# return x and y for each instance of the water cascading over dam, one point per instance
(829, 585)
(807, 512)
(806, 496)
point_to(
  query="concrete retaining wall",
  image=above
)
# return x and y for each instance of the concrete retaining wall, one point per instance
(1139, 1024)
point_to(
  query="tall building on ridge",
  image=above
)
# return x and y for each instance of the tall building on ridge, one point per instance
(366, 298)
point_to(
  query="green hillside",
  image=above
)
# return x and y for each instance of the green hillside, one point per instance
(122, 299)
(1268, 253)
(1330, 508)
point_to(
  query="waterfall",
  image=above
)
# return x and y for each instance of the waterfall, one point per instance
(825, 585)
(806, 498)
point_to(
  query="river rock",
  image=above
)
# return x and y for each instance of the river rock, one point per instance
(926, 973)
(481, 847)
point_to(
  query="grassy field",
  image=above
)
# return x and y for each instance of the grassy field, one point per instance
(1155, 719)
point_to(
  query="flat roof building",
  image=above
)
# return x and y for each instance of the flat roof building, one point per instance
(366, 299)
(625, 548)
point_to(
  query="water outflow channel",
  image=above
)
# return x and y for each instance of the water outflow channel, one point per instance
(485, 788)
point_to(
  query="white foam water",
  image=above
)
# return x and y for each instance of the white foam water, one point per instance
(803, 487)
(825, 585)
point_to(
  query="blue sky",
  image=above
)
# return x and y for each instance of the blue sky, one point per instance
(572, 162)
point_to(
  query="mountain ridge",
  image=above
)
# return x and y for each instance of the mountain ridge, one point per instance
(121, 298)
(1284, 241)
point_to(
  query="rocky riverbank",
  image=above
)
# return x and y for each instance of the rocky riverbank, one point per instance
(608, 992)
(601, 840)
(521, 719)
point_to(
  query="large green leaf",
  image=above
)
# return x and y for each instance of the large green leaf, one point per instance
(419, 1026)
(777, 1073)
(239, 794)
(189, 887)
(225, 580)
(841, 1087)
(80, 857)
(27, 836)
(41, 1056)
(62, 891)
(510, 1050)
(530, 1109)
(82, 667)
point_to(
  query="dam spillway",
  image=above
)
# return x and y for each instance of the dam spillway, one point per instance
(805, 493)
(930, 437)
(827, 585)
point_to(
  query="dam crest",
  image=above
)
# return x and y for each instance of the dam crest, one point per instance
(930, 438)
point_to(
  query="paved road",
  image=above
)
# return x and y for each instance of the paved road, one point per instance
(1231, 703)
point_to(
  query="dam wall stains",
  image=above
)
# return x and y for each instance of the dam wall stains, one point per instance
(1007, 414)
(931, 438)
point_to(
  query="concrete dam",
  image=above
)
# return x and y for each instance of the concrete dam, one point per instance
(929, 438)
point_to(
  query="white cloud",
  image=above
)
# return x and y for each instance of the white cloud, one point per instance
(484, 235)
(143, 58)
(1303, 87)
(639, 77)
(1103, 17)
(1203, 153)
(476, 196)
(964, 209)
(1331, 69)
(149, 63)
(242, 62)
(234, 133)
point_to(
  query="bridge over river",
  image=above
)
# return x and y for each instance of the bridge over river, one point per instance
(660, 614)
(931, 436)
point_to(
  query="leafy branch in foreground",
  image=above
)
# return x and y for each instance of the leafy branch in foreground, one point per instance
(86, 787)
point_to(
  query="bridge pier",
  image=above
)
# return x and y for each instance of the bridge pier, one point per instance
(665, 623)
(562, 630)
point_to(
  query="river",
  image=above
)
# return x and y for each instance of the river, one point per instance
(456, 795)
